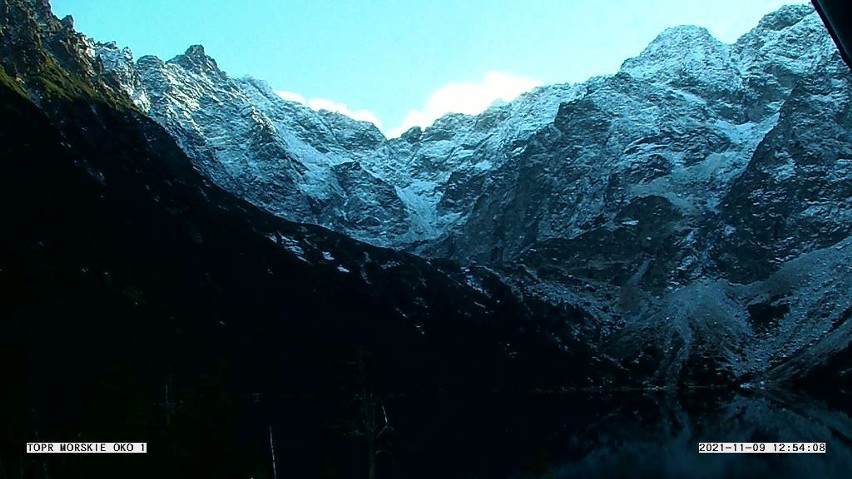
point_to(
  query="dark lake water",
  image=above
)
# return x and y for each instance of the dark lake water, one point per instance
(571, 435)
(568, 435)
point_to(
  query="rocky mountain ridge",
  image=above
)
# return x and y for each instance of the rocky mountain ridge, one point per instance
(433, 190)
(319, 166)
(699, 167)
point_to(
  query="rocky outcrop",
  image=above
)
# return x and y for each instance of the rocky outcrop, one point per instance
(279, 155)
(284, 157)
(796, 193)
(678, 130)
(708, 237)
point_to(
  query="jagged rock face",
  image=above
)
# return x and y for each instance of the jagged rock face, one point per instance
(678, 130)
(690, 59)
(244, 159)
(680, 121)
(43, 44)
(796, 194)
(445, 169)
(286, 158)
(279, 155)
(656, 195)
(119, 63)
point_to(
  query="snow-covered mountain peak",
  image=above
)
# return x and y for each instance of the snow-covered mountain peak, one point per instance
(687, 57)
(785, 17)
(119, 62)
(683, 35)
(412, 134)
(149, 61)
(113, 56)
(794, 35)
(674, 42)
(196, 51)
(196, 59)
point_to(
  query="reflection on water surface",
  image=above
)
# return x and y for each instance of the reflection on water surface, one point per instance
(569, 435)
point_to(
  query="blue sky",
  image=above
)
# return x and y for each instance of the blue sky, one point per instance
(400, 63)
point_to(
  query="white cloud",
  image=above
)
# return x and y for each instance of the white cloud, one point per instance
(466, 97)
(458, 97)
(363, 115)
(324, 104)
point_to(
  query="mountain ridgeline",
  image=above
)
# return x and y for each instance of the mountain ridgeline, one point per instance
(202, 244)
(699, 198)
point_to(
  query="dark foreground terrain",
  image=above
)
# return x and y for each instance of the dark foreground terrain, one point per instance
(142, 302)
